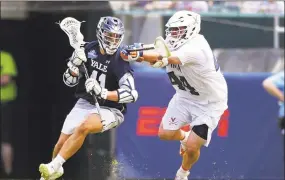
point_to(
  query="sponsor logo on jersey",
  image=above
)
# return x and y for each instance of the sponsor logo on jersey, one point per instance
(92, 54)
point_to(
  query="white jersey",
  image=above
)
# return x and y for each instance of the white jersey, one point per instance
(199, 78)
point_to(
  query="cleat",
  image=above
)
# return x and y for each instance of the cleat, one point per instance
(57, 174)
(181, 175)
(46, 171)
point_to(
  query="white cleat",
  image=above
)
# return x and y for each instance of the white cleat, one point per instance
(57, 174)
(46, 171)
(182, 176)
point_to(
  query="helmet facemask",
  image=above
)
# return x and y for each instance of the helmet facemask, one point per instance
(174, 34)
(181, 27)
(110, 34)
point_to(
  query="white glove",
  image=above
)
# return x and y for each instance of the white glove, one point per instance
(160, 64)
(69, 79)
(93, 85)
(132, 55)
(74, 70)
(78, 57)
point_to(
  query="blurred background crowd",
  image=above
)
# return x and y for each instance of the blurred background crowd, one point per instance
(266, 7)
(247, 38)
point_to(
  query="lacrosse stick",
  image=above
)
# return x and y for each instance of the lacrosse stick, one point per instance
(144, 48)
(71, 27)
(159, 45)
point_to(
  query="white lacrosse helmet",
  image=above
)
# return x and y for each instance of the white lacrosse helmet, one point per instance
(181, 27)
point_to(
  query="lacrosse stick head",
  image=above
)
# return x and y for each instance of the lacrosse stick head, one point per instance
(110, 34)
(161, 47)
(71, 27)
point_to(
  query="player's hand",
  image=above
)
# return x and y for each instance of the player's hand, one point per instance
(78, 57)
(93, 85)
(160, 63)
(128, 55)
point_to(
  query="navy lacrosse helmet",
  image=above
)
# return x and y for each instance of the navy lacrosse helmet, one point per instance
(110, 33)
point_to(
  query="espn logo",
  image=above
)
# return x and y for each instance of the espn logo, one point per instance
(149, 119)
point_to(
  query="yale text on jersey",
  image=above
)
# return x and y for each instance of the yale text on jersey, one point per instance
(98, 65)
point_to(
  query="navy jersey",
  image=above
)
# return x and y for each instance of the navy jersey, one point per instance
(107, 70)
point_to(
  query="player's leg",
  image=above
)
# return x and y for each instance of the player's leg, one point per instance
(93, 124)
(204, 120)
(73, 119)
(174, 135)
(195, 139)
(173, 119)
(6, 141)
(61, 140)
(72, 145)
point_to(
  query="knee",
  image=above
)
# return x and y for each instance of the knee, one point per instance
(165, 135)
(93, 124)
(193, 150)
(84, 128)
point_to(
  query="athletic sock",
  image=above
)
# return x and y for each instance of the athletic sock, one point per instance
(57, 162)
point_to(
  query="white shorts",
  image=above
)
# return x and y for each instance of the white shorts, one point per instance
(82, 109)
(181, 112)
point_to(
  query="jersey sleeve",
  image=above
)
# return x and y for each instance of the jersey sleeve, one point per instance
(121, 67)
(8, 66)
(187, 55)
(278, 79)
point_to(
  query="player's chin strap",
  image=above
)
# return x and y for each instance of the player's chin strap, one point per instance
(71, 27)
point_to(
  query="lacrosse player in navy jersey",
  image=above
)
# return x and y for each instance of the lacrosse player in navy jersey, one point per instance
(110, 79)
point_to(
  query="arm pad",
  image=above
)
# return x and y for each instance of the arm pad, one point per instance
(127, 92)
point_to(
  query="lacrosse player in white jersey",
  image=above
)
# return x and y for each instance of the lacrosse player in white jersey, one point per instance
(201, 90)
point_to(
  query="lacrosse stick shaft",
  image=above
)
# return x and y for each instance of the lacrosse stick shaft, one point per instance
(144, 48)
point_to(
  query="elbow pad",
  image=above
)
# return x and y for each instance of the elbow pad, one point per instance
(127, 96)
(69, 79)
